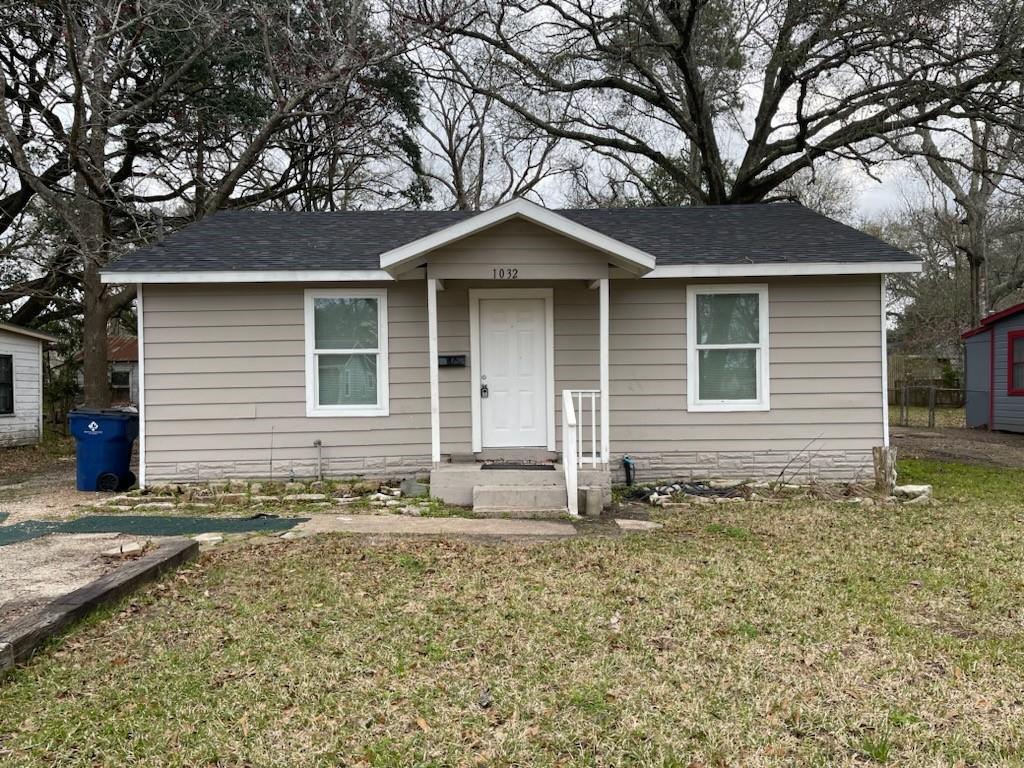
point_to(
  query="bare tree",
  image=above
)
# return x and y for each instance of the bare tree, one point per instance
(114, 115)
(474, 151)
(936, 306)
(729, 99)
(978, 165)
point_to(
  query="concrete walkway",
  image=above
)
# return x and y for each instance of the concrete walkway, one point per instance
(437, 526)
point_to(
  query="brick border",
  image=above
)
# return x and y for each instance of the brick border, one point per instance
(20, 638)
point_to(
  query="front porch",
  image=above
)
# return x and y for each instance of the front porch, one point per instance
(518, 309)
(531, 378)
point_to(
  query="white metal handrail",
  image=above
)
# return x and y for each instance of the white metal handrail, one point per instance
(587, 400)
(569, 456)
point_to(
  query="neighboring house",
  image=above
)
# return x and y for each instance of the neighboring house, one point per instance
(994, 371)
(123, 366)
(741, 341)
(21, 384)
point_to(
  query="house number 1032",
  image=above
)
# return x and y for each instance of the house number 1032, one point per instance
(506, 273)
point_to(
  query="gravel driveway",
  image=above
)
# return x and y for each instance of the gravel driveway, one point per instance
(969, 446)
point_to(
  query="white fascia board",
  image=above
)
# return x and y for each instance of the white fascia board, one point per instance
(626, 256)
(29, 332)
(784, 270)
(254, 276)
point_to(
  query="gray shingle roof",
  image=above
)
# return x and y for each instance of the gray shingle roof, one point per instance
(772, 233)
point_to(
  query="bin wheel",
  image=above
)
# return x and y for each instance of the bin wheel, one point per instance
(129, 481)
(108, 481)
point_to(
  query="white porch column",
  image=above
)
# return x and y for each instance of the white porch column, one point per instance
(435, 396)
(605, 390)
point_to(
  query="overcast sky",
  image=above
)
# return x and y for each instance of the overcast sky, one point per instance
(875, 200)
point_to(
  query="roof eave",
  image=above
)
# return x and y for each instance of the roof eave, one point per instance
(1002, 314)
(624, 256)
(786, 269)
(38, 335)
(975, 332)
(114, 276)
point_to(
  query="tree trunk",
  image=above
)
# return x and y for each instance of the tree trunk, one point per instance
(94, 340)
(976, 256)
(977, 310)
(885, 469)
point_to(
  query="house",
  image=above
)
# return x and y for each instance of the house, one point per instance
(123, 368)
(741, 341)
(21, 384)
(994, 371)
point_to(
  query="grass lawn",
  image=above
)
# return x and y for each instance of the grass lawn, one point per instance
(737, 635)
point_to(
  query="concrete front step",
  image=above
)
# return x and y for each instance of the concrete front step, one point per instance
(454, 483)
(518, 499)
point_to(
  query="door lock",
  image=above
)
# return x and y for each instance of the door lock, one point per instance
(484, 391)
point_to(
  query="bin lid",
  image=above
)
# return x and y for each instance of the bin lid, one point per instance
(104, 412)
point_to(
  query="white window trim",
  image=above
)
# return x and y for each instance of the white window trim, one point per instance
(693, 402)
(313, 408)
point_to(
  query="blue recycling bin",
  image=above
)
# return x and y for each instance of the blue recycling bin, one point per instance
(103, 448)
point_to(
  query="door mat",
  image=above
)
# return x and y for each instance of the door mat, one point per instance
(145, 525)
(514, 465)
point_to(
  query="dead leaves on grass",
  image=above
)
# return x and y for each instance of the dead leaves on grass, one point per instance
(793, 646)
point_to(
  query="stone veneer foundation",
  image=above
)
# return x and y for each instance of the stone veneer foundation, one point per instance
(802, 466)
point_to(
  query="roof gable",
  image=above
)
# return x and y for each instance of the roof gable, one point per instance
(621, 254)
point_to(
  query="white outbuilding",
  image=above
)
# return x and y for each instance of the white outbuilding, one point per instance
(21, 384)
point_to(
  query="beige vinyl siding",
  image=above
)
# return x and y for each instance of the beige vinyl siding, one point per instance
(534, 252)
(576, 350)
(225, 371)
(23, 426)
(825, 377)
(225, 376)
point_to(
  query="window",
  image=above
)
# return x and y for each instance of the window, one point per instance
(120, 385)
(727, 342)
(1015, 358)
(6, 385)
(346, 353)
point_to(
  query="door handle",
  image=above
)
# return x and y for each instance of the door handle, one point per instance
(484, 391)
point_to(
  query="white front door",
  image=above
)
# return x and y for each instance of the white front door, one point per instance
(513, 369)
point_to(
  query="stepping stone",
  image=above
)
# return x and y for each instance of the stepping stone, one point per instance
(304, 497)
(411, 487)
(125, 550)
(637, 525)
(208, 538)
(912, 491)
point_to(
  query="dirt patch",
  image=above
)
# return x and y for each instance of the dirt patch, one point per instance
(35, 572)
(29, 461)
(970, 446)
(47, 494)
